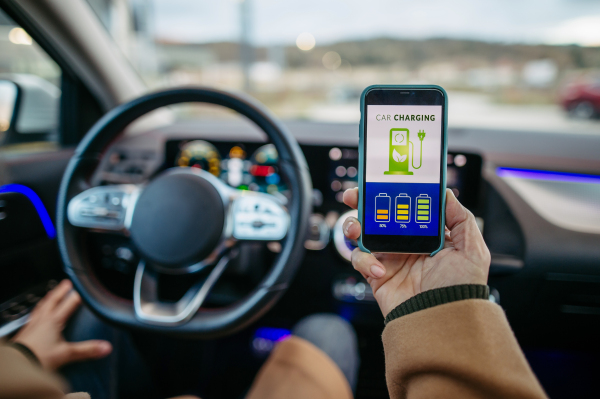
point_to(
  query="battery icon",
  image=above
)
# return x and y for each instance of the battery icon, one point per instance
(382, 208)
(423, 211)
(403, 208)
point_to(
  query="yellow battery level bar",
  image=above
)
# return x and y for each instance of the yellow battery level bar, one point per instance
(382, 208)
(423, 209)
(403, 208)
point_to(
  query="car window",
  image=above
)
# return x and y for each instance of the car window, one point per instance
(29, 90)
(520, 65)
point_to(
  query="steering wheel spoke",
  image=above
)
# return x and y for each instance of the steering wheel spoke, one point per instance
(149, 309)
(259, 217)
(104, 208)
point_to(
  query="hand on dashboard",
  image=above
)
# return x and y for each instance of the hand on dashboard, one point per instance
(396, 278)
(43, 334)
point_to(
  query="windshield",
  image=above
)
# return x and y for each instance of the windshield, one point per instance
(520, 65)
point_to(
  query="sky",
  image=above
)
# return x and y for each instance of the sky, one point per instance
(281, 21)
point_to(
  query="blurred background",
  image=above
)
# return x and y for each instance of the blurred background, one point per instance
(525, 65)
(507, 64)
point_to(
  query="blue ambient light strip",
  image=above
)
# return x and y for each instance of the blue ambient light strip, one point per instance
(37, 204)
(272, 334)
(547, 175)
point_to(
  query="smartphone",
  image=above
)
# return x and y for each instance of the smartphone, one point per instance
(402, 169)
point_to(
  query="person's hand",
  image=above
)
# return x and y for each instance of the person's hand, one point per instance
(43, 334)
(396, 278)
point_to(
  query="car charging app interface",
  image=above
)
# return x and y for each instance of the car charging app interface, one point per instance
(402, 174)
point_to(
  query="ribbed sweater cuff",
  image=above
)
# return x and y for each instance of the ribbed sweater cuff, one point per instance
(438, 296)
(28, 353)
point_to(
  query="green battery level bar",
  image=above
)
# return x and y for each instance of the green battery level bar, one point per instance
(403, 208)
(423, 210)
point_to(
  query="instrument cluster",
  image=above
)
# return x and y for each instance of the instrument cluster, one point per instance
(243, 166)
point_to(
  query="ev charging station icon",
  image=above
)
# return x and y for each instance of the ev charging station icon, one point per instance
(399, 161)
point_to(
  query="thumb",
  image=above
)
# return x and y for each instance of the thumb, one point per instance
(455, 212)
(464, 232)
(88, 350)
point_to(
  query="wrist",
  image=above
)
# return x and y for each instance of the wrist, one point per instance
(27, 352)
(438, 296)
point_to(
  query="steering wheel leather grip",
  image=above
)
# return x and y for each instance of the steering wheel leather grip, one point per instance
(203, 323)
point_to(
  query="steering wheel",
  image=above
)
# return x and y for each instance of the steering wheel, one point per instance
(182, 221)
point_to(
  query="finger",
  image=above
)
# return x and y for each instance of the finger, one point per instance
(55, 296)
(66, 308)
(455, 212)
(367, 264)
(464, 232)
(87, 350)
(352, 228)
(448, 243)
(42, 302)
(351, 197)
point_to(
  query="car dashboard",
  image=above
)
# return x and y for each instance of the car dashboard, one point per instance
(254, 166)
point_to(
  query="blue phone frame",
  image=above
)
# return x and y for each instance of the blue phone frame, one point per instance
(361, 155)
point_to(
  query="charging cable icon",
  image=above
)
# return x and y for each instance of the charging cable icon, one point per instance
(399, 151)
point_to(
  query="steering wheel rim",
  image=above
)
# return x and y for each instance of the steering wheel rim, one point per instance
(203, 324)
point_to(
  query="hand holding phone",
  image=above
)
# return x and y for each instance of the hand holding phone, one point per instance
(402, 169)
(396, 278)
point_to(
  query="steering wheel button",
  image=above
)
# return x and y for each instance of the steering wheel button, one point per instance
(103, 207)
(259, 217)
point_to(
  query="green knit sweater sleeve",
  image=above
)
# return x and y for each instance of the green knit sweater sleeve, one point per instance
(438, 296)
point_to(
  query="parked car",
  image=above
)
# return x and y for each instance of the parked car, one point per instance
(582, 100)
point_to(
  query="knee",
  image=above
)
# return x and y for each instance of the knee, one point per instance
(334, 336)
(315, 328)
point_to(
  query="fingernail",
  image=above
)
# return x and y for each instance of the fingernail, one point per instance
(377, 271)
(347, 230)
(104, 347)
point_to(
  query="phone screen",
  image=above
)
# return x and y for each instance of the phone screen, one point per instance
(403, 170)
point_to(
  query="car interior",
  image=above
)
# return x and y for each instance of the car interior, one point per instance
(87, 129)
